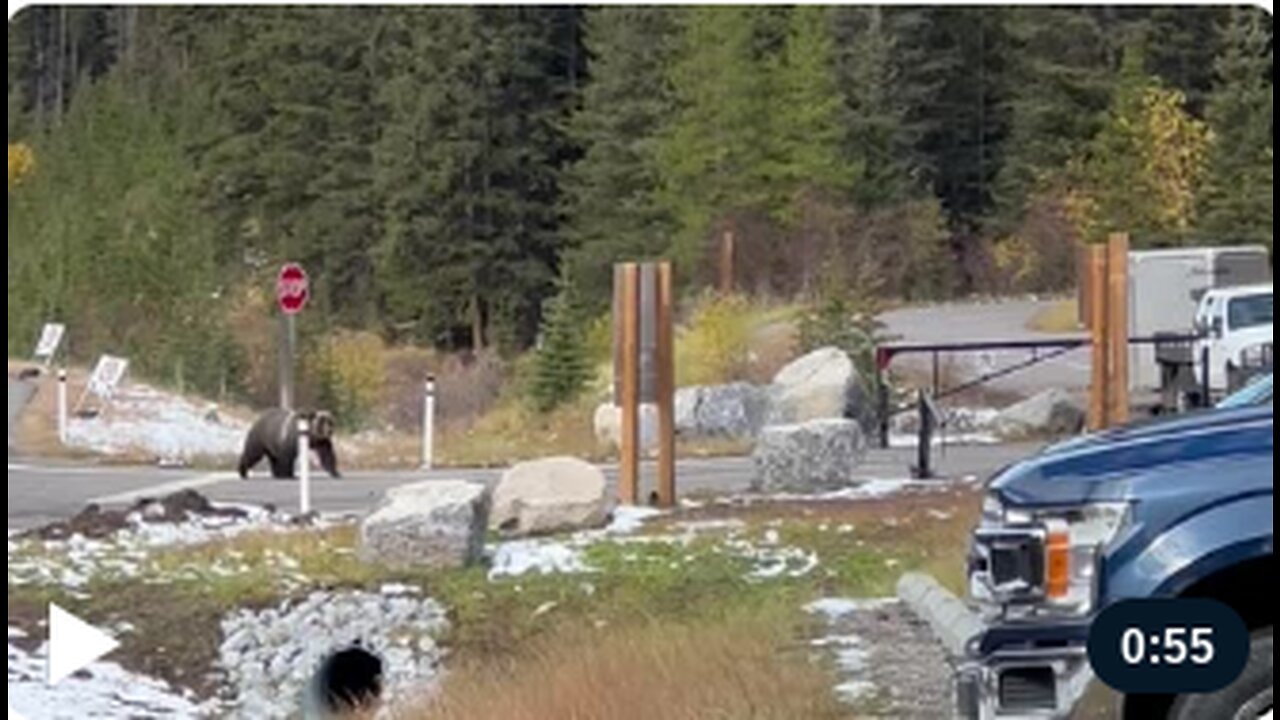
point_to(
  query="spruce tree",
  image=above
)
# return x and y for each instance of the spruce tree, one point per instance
(611, 201)
(562, 368)
(714, 156)
(1238, 205)
(807, 113)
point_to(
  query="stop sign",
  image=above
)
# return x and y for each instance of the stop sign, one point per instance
(293, 289)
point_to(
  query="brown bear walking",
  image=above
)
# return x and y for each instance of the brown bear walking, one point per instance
(275, 437)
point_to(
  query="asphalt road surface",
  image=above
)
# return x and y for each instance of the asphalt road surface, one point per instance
(996, 321)
(42, 493)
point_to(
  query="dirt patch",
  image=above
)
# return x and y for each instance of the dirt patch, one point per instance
(95, 523)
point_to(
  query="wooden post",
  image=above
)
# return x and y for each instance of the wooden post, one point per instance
(1095, 279)
(1084, 289)
(629, 402)
(728, 261)
(666, 387)
(1118, 329)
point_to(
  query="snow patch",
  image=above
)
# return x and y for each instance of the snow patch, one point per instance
(523, 557)
(104, 690)
(164, 426)
(834, 609)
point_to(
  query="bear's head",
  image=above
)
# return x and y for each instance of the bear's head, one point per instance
(323, 425)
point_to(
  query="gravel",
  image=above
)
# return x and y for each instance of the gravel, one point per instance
(889, 664)
(270, 657)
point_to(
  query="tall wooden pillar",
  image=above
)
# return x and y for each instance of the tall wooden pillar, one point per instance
(629, 383)
(1118, 329)
(666, 386)
(1094, 280)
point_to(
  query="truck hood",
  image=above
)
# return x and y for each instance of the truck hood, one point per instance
(1243, 339)
(1083, 469)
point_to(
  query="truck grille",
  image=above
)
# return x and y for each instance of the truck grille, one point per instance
(1027, 689)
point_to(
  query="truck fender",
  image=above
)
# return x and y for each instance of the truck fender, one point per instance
(1196, 548)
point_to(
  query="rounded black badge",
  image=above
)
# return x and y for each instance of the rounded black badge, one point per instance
(1168, 646)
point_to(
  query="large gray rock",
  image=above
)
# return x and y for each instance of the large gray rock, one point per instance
(821, 385)
(608, 426)
(815, 456)
(734, 411)
(439, 524)
(1053, 413)
(547, 496)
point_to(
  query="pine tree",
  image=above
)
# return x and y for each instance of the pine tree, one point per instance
(1238, 205)
(714, 155)
(807, 113)
(561, 369)
(611, 204)
(881, 146)
(1060, 82)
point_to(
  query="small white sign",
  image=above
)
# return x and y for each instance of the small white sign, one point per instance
(50, 340)
(107, 375)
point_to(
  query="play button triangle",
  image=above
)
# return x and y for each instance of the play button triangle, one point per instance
(73, 644)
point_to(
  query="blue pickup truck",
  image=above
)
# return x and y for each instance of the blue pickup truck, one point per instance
(1180, 508)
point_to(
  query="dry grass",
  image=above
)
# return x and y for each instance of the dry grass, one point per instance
(724, 671)
(1061, 317)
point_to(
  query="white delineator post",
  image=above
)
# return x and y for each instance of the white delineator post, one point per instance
(62, 406)
(429, 424)
(304, 457)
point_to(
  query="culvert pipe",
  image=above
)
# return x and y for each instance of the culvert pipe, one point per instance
(349, 680)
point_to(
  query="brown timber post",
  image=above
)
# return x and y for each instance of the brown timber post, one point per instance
(1094, 279)
(666, 387)
(1118, 329)
(629, 400)
(728, 261)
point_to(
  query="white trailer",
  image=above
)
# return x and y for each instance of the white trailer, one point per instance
(1165, 289)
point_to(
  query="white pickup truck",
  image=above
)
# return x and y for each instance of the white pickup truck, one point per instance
(1236, 326)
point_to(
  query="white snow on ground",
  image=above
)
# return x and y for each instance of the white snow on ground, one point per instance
(902, 442)
(833, 609)
(850, 653)
(71, 564)
(104, 690)
(143, 419)
(628, 519)
(535, 557)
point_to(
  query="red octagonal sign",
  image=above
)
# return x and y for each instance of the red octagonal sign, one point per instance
(293, 289)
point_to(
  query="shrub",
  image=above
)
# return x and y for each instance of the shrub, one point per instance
(348, 367)
(843, 315)
(714, 347)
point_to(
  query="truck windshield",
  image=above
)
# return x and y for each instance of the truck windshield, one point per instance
(1251, 311)
(1255, 394)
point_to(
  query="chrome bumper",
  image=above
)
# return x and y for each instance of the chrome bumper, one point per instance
(1055, 684)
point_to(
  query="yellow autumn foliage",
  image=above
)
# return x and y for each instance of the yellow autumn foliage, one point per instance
(1176, 156)
(22, 162)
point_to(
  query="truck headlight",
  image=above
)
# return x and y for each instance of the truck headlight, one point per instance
(1043, 560)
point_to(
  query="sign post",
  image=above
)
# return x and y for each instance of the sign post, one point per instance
(644, 368)
(293, 290)
(62, 406)
(304, 471)
(429, 424)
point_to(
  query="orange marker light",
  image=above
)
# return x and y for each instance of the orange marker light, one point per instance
(1057, 562)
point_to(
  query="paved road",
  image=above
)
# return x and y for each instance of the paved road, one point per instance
(971, 322)
(42, 493)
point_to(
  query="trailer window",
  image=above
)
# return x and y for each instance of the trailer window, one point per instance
(1251, 311)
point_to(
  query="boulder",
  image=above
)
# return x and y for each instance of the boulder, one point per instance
(608, 426)
(547, 496)
(435, 525)
(1053, 413)
(819, 455)
(733, 411)
(821, 385)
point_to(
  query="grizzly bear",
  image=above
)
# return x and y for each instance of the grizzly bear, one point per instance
(275, 437)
